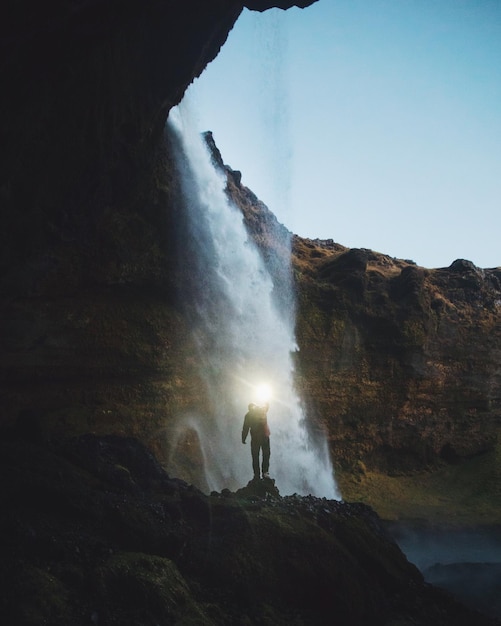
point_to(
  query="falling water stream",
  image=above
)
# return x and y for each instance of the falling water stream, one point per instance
(243, 337)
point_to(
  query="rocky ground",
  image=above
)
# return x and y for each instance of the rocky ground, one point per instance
(95, 532)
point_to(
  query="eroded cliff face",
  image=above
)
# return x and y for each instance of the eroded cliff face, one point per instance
(401, 362)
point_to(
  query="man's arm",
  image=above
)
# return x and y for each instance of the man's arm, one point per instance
(245, 429)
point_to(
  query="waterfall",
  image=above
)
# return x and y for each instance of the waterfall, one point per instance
(244, 338)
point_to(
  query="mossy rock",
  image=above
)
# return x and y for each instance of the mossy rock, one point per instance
(34, 596)
(146, 589)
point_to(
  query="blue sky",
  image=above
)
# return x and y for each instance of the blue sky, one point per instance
(376, 123)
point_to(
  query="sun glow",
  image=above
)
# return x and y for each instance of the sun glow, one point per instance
(263, 393)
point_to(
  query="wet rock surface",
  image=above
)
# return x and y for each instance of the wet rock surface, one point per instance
(96, 533)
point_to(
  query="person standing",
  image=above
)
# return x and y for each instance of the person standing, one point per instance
(256, 421)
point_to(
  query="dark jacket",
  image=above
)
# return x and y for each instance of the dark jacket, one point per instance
(256, 421)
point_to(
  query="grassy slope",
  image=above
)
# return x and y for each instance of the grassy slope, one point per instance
(464, 494)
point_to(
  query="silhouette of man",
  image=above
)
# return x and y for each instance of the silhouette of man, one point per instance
(256, 420)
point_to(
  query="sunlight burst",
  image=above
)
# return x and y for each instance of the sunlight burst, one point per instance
(263, 393)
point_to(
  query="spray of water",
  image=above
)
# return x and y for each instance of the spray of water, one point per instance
(243, 339)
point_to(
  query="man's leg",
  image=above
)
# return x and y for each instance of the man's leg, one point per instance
(266, 455)
(255, 445)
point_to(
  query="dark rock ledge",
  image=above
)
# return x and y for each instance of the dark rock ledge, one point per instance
(95, 532)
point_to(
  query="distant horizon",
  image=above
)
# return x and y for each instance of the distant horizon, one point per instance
(374, 124)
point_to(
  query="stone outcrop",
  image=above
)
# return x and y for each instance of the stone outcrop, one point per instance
(86, 91)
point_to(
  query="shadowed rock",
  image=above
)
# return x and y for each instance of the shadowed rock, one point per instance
(80, 545)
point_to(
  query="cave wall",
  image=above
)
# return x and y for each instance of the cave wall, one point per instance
(86, 89)
(92, 338)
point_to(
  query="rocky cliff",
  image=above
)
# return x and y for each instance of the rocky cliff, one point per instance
(401, 366)
(402, 361)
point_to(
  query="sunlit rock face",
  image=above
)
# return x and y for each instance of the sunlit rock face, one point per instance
(401, 363)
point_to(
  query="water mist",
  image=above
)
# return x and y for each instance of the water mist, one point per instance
(243, 337)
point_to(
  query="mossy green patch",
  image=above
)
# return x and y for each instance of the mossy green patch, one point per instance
(464, 494)
(151, 587)
(42, 597)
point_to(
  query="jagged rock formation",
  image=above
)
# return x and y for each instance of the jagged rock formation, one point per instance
(96, 533)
